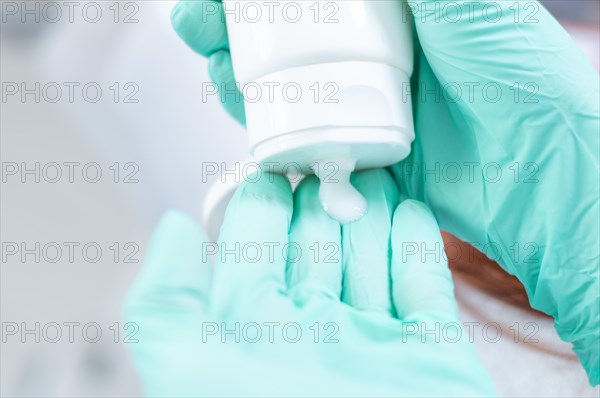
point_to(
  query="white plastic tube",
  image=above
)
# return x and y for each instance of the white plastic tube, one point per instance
(325, 82)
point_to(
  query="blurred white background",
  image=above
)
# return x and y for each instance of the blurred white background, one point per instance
(159, 142)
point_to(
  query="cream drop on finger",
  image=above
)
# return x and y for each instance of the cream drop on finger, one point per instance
(338, 197)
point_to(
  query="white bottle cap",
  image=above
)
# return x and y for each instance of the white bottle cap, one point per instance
(357, 110)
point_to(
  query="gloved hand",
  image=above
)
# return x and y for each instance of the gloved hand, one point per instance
(273, 320)
(507, 116)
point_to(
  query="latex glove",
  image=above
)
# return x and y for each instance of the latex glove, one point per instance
(510, 162)
(342, 351)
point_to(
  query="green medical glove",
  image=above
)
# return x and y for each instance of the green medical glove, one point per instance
(507, 116)
(532, 202)
(273, 320)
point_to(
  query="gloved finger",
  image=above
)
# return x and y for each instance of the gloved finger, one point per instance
(507, 64)
(220, 70)
(201, 25)
(253, 243)
(366, 244)
(176, 277)
(422, 286)
(317, 268)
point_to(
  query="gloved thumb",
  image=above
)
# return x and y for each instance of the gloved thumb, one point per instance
(176, 276)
